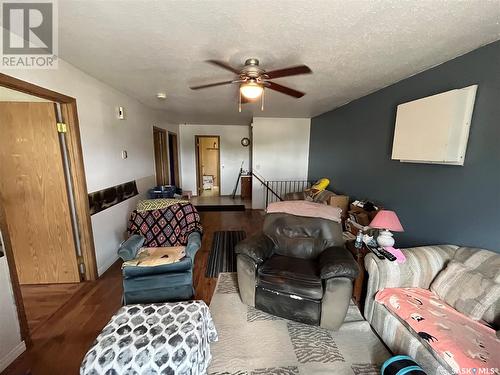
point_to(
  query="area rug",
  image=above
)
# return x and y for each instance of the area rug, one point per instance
(222, 257)
(252, 342)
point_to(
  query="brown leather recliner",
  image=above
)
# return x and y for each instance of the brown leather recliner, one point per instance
(297, 268)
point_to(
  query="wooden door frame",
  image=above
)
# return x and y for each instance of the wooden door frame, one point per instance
(165, 159)
(199, 182)
(79, 182)
(176, 161)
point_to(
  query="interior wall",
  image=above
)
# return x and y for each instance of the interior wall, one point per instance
(103, 139)
(11, 345)
(280, 152)
(232, 154)
(352, 146)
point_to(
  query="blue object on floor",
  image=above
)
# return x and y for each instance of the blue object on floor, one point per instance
(401, 365)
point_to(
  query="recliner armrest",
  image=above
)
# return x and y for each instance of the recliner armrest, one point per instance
(337, 262)
(258, 247)
(193, 244)
(129, 248)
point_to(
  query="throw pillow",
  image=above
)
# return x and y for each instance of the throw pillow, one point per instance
(468, 291)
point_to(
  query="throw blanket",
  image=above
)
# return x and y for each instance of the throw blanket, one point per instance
(165, 227)
(455, 339)
(157, 204)
(304, 208)
(166, 338)
(156, 256)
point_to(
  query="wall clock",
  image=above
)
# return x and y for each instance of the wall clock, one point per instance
(245, 142)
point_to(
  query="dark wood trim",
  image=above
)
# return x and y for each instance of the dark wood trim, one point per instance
(199, 182)
(162, 169)
(16, 288)
(175, 152)
(70, 116)
(31, 89)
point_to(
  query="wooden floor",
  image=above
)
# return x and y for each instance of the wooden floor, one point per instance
(60, 343)
(43, 301)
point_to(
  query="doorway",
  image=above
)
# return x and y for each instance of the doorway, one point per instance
(173, 157)
(208, 165)
(161, 156)
(45, 228)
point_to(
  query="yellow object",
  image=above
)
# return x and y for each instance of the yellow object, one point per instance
(321, 184)
(318, 186)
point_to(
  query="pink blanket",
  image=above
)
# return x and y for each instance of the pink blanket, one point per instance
(305, 208)
(458, 341)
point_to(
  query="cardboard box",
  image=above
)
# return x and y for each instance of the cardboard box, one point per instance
(340, 201)
(356, 209)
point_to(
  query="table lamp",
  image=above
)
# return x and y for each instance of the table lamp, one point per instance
(386, 221)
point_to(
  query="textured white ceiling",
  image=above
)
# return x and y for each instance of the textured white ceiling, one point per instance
(353, 47)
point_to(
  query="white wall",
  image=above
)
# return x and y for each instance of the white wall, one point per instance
(103, 139)
(232, 153)
(280, 151)
(11, 345)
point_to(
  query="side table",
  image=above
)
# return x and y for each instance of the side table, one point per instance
(359, 290)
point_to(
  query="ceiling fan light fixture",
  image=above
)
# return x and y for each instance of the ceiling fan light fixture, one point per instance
(251, 90)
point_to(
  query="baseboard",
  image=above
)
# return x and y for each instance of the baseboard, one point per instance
(12, 355)
(103, 268)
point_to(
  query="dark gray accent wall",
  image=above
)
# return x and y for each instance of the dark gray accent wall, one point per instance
(436, 204)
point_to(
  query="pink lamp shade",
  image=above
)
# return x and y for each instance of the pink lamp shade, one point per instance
(386, 219)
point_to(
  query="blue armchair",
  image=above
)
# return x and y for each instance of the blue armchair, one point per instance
(178, 224)
(168, 282)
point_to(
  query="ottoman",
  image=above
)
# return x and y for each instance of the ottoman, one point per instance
(166, 338)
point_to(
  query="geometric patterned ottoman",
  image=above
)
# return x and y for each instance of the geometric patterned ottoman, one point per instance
(164, 338)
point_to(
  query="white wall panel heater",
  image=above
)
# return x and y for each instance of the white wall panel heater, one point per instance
(434, 129)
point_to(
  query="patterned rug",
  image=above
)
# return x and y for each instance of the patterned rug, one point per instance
(252, 342)
(222, 257)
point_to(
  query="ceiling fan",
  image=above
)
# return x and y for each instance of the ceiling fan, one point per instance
(252, 80)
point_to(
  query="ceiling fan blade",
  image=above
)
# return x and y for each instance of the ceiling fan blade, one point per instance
(291, 71)
(284, 90)
(223, 65)
(211, 85)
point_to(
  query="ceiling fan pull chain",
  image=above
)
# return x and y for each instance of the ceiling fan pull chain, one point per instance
(262, 101)
(239, 101)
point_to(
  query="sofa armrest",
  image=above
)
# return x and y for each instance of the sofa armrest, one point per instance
(419, 270)
(258, 247)
(337, 262)
(193, 244)
(128, 249)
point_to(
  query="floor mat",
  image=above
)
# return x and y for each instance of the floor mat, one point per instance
(252, 342)
(222, 257)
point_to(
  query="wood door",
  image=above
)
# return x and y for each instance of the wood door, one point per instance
(33, 194)
(161, 159)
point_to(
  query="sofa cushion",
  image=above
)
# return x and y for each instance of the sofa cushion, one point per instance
(156, 256)
(468, 291)
(291, 275)
(184, 265)
(454, 339)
